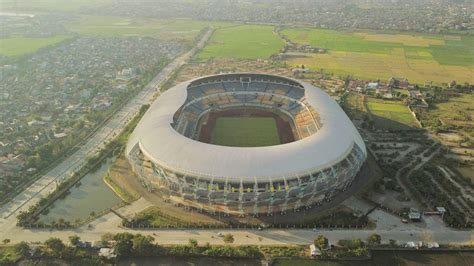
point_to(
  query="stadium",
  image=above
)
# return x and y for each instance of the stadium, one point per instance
(246, 144)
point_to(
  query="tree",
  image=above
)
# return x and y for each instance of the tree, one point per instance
(124, 244)
(374, 239)
(193, 242)
(22, 249)
(143, 245)
(55, 245)
(321, 242)
(357, 243)
(228, 238)
(74, 240)
(393, 242)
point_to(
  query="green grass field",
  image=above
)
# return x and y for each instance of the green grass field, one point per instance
(391, 114)
(242, 42)
(245, 132)
(19, 45)
(419, 57)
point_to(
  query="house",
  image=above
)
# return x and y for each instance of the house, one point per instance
(108, 253)
(126, 74)
(432, 245)
(372, 86)
(60, 135)
(315, 251)
(441, 211)
(359, 90)
(414, 215)
(395, 82)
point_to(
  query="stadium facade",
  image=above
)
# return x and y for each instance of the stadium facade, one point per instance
(167, 155)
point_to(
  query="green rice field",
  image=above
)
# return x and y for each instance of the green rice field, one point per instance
(369, 55)
(245, 132)
(242, 42)
(17, 46)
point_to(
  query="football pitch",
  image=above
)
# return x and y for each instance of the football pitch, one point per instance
(245, 132)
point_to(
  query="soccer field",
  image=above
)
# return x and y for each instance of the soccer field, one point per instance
(391, 114)
(245, 132)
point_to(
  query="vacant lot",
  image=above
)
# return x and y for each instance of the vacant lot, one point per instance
(419, 58)
(19, 46)
(390, 114)
(457, 112)
(245, 132)
(242, 42)
(355, 105)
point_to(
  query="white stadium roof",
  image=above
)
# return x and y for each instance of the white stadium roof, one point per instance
(161, 143)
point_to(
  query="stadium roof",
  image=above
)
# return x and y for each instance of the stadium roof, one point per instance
(161, 143)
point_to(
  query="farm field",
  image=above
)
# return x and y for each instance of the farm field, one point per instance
(18, 46)
(390, 114)
(121, 27)
(242, 42)
(419, 58)
(467, 171)
(245, 132)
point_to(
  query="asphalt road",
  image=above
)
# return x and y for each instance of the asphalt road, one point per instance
(47, 183)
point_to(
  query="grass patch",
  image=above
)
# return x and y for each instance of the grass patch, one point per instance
(390, 114)
(123, 193)
(18, 46)
(242, 42)
(154, 217)
(245, 132)
(8, 255)
(419, 57)
(290, 251)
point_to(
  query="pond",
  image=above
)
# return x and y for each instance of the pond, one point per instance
(91, 194)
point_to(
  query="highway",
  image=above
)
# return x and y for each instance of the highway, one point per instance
(47, 183)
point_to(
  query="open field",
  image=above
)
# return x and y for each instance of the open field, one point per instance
(390, 114)
(355, 104)
(19, 45)
(242, 42)
(457, 112)
(419, 58)
(146, 27)
(245, 132)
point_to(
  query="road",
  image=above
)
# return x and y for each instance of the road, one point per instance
(245, 236)
(47, 183)
(388, 226)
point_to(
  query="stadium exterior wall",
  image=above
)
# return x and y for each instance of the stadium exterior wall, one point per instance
(241, 180)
